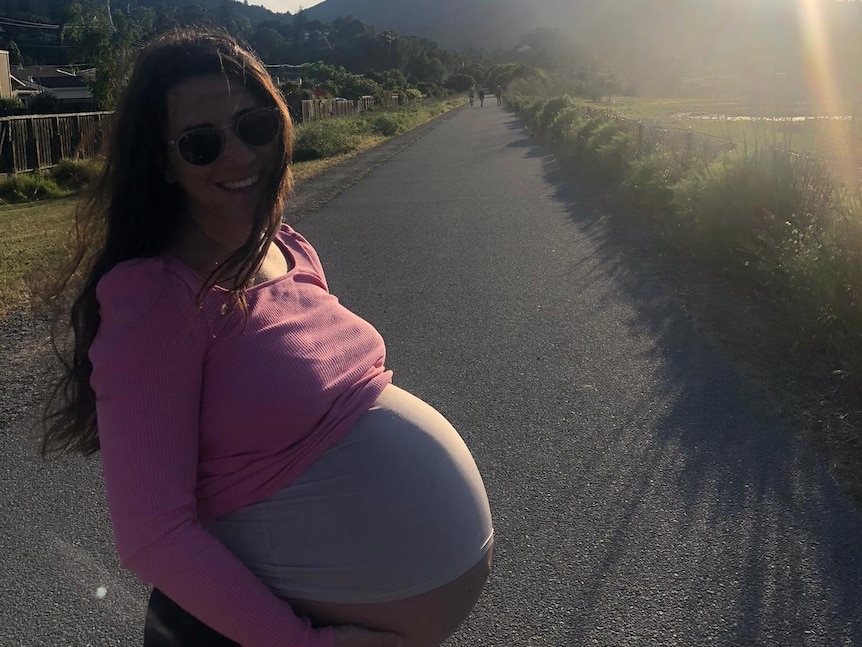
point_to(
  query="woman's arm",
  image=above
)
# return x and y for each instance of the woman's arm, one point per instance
(148, 360)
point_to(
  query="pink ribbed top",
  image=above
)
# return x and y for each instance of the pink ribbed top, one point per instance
(200, 414)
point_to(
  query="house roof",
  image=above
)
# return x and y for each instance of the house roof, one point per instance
(48, 76)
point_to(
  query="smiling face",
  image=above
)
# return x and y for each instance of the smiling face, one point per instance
(220, 197)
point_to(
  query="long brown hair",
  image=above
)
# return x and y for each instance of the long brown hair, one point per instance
(133, 212)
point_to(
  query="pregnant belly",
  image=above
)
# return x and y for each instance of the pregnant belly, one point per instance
(395, 509)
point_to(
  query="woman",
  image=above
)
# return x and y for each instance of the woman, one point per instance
(260, 468)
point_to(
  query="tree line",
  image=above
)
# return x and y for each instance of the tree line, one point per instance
(345, 58)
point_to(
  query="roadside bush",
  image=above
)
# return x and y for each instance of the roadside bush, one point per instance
(430, 90)
(388, 124)
(28, 187)
(828, 280)
(551, 110)
(528, 108)
(611, 149)
(327, 138)
(76, 175)
(413, 94)
(650, 180)
(754, 208)
(565, 125)
(775, 223)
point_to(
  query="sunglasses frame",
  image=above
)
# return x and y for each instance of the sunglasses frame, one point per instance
(233, 125)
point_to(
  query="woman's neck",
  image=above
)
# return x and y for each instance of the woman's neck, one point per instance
(204, 247)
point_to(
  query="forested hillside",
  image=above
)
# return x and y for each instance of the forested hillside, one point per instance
(344, 58)
(658, 47)
(653, 45)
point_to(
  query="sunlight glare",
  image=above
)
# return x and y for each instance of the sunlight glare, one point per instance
(820, 73)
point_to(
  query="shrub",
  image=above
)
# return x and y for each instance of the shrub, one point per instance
(11, 103)
(752, 208)
(76, 175)
(551, 110)
(43, 103)
(529, 108)
(610, 148)
(326, 138)
(28, 187)
(388, 124)
(650, 180)
(565, 124)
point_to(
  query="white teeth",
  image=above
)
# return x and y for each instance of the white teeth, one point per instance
(242, 184)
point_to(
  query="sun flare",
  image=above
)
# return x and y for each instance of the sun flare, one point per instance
(820, 74)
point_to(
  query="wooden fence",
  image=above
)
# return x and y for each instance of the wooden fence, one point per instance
(316, 109)
(33, 142)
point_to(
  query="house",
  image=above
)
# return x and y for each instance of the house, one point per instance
(5, 78)
(69, 86)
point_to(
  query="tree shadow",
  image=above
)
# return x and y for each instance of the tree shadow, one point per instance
(768, 540)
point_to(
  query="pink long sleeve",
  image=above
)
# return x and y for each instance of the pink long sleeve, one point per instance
(148, 372)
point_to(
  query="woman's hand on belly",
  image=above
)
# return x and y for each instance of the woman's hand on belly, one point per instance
(350, 636)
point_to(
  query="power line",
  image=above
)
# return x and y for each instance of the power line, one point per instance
(12, 22)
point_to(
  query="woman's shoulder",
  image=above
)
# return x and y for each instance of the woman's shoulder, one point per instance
(134, 288)
(297, 243)
(289, 236)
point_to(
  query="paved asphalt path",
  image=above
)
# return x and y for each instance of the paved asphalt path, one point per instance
(643, 492)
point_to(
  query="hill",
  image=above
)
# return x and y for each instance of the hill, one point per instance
(762, 41)
(666, 47)
(454, 24)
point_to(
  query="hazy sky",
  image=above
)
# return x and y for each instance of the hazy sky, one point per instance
(281, 6)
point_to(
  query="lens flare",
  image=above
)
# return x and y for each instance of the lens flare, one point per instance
(820, 75)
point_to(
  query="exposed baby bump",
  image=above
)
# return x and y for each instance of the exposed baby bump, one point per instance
(395, 508)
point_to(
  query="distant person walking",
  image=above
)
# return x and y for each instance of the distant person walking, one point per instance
(498, 92)
(481, 97)
(472, 95)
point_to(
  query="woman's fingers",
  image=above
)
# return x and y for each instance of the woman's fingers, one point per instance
(350, 636)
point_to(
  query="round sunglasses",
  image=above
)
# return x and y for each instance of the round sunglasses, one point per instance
(203, 145)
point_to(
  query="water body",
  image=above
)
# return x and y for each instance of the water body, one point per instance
(721, 117)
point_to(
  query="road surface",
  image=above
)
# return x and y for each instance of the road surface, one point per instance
(644, 491)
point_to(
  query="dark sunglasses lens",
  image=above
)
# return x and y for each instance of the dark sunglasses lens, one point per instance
(258, 127)
(200, 147)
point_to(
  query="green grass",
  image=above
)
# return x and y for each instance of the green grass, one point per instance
(32, 248)
(331, 137)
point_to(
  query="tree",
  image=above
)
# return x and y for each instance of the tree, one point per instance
(106, 39)
(429, 70)
(269, 45)
(45, 103)
(15, 55)
(460, 82)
